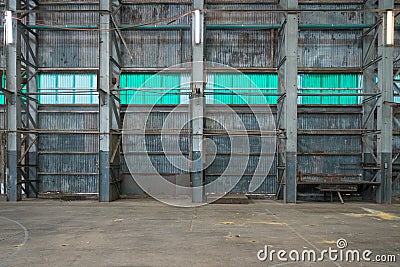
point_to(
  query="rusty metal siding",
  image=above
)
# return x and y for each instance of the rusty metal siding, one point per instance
(68, 49)
(157, 49)
(68, 162)
(329, 153)
(329, 121)
(240, 49)
(331, 17)
(329, 49)
(234, 17)
(135, 14)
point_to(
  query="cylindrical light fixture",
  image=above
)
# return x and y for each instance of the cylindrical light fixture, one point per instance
(388, 28)
(197, 27)
(8, 27)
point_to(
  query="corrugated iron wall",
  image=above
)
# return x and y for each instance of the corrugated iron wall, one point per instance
(155, 48)
(68, 48)
(324, 147)
(68, 162)
(68, 152)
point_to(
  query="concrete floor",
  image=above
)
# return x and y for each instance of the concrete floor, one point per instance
(147, 233)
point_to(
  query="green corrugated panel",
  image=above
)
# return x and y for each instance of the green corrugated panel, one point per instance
(167, 81)
(329, 81)
(70, 83)
(266, 83)
(3, 85)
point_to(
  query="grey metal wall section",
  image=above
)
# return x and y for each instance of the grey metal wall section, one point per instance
(68, 49)
(246, 18)
(164, 48)
(329, 49)
(240, 49)
(152, 148)
(328, 17)
(324, 148)
(155, 48)
(68, 161)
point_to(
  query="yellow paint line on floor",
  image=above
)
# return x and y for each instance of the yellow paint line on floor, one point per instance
(228, 223)
(374, 213)
(270, 223)
(384, 216)
(329, 242)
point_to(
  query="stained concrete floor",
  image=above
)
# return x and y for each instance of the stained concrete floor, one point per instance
(148, 233)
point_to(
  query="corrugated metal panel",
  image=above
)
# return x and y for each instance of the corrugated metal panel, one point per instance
(69, 143)
(329, 49)
(157, 49)
(64, 163)
(145, 81)
(69, 183)
(68, 121)
(2, 117)
(152, 144)
(329, 121)
(329, 144)
(74, 88)
(240, 49)
(334, 81)
(264, 82)
(330, 17)
(269, 186)
(138, 14)
(68, 49)
(314, 167)
(68, 162)
(242, 17)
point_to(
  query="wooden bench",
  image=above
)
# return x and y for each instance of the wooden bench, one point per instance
(333, 184)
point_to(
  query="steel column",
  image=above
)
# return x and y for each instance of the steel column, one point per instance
(108, 121)
(13, 80)
(384, 112)
(289, 105)
(32, 160)
(369, 103)
(197, 103)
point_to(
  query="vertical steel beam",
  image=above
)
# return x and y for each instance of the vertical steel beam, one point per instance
(32, 109)
(108, 183)
(369, 122)
(289, 115)
(197, 102)
(13, 81)
(385, 113)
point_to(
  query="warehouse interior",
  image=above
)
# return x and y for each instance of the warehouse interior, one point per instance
(317, 81)
(283, 115)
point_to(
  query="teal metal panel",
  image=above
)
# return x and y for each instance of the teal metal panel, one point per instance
(67, 88)
(332, 83)
(139, 82)
(263, 83)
